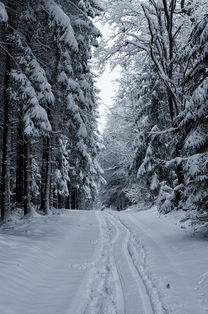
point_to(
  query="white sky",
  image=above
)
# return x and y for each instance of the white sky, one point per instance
(107, 85)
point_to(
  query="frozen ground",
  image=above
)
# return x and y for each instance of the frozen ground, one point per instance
(87, 262)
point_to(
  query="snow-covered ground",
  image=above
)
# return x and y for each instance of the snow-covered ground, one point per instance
(88, 262)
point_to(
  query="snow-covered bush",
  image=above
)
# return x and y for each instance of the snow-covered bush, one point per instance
(165, 198)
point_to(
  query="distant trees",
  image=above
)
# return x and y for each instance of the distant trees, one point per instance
(162, 45)
(118, 153)
(49, 140)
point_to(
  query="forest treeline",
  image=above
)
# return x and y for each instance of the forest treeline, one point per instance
(156, 135)
(48, 104)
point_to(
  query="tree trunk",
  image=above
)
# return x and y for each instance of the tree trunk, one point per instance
(19, 191)
(6, 143)
(5, 186)
(46, 176)
(180, 176)
(27, 176)
(70, 196)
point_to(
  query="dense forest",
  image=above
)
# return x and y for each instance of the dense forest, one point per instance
(156, 135)
(48, 140)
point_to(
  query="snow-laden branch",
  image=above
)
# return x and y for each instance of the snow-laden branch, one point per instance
(62, 20)
(3, 13)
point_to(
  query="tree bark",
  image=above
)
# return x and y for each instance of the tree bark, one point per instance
(5, 186)
(6, 143)
(46, 176)
(27, 176)
(19, 191)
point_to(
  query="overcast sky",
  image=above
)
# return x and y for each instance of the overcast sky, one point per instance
(107, 85)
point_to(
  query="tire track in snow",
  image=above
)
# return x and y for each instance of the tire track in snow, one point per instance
(142, 301)
(156, 253)
(105, 294)
(136, 256)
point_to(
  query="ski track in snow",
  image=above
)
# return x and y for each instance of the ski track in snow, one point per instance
(163, 270)
(136, 257)
(104, 286)
(119, 284)
(91, 262)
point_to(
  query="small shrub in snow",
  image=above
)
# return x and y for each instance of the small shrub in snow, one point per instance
(165, 198)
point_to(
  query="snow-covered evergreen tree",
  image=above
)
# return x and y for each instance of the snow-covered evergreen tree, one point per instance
(76, 80)
(194, 121)
(164, 43)
(52, 102)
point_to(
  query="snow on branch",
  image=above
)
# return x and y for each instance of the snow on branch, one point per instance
(35, 116)
(62, 20)
(31, 68)
(3, 13)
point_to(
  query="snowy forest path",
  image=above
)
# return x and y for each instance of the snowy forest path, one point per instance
(45, 263)
(116, 284)
(159, 257)
(136, 299)
(88, 262)
(76, 263)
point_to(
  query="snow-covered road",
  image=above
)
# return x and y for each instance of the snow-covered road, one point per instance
(117, 286)
(89, 262)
